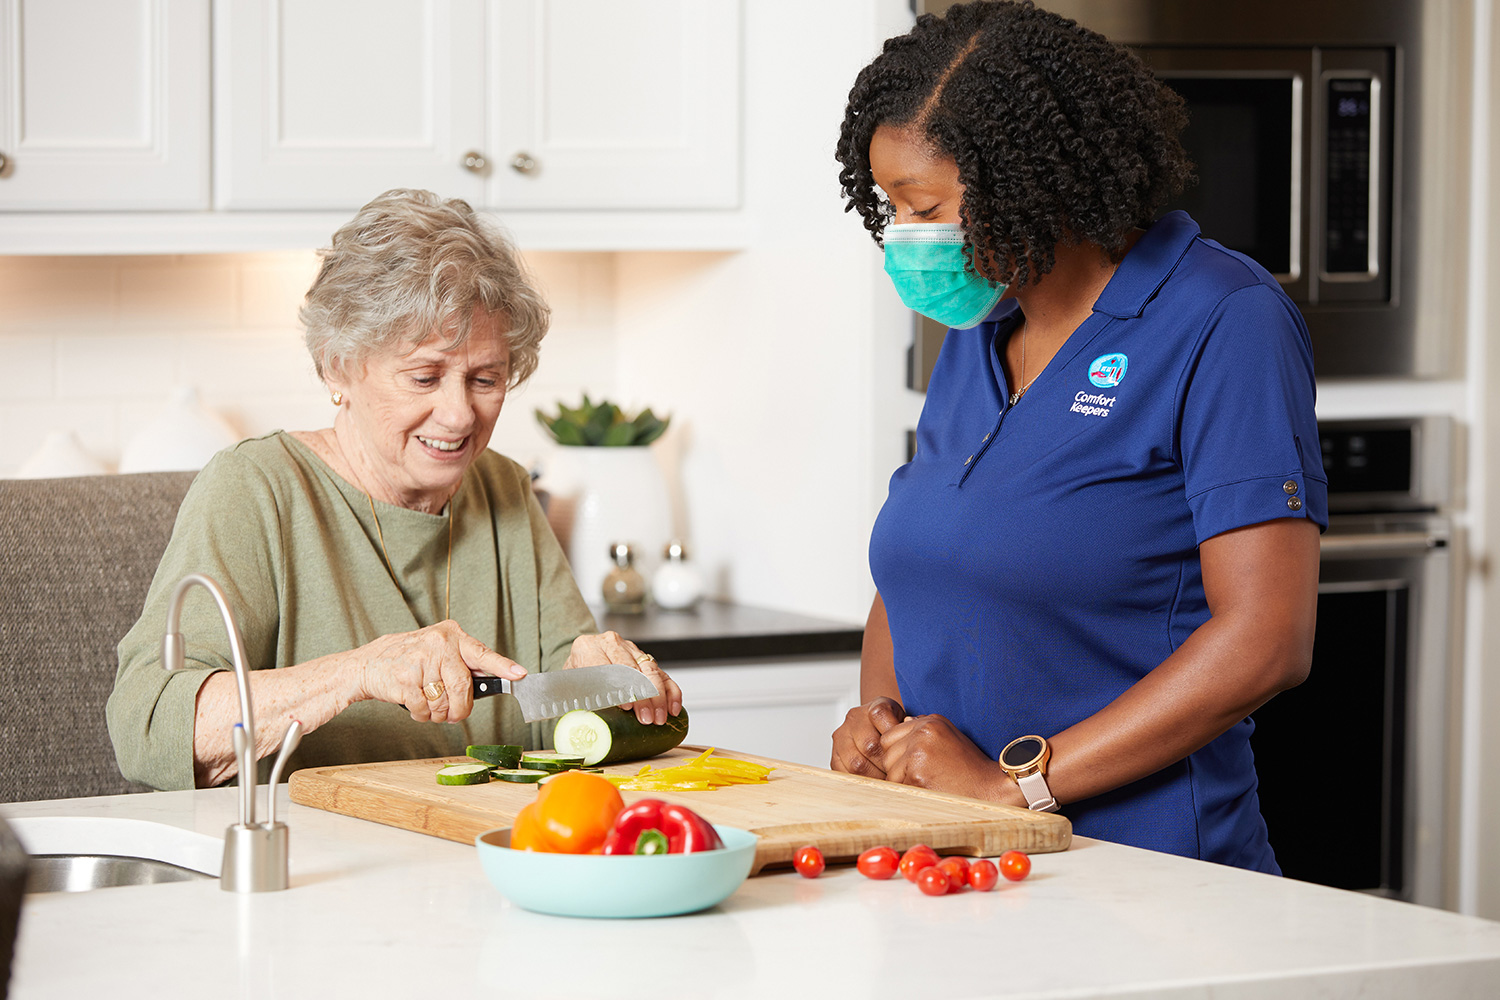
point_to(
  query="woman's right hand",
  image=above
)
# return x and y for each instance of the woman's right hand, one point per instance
(406, 667)
(856, 743)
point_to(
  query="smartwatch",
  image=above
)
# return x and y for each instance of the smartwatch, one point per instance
(1025, 760)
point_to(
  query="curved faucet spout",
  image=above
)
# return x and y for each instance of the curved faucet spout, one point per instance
(172, 652)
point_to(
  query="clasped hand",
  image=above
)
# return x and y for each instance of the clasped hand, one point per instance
(879, 740)
(430, 671)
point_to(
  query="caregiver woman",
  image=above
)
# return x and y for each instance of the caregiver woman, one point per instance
(376, 565)
(1106, 548)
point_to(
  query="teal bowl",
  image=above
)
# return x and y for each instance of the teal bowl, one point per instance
(593, 885)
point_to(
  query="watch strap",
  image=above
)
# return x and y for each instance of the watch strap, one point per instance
(1038, 795)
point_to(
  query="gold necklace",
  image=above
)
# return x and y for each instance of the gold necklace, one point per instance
(448, 585)
(1015, 397)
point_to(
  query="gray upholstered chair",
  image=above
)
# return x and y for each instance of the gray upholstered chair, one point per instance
(76, 559)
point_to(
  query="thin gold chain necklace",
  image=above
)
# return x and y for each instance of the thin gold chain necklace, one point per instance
(1015, 397)
(448, 584)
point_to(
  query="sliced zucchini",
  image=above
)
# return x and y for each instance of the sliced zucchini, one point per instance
(496, 754)
(548, 766)
(611, 735)
(463, 774)
(524, 775)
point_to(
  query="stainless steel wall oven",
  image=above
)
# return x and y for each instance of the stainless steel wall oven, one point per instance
(1353, 763)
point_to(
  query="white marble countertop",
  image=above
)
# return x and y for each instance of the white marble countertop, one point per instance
(378, 912)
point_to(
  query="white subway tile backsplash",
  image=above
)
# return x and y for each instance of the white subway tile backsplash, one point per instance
(96, 344)
(179, 292)
(29, 368)
(117, 364)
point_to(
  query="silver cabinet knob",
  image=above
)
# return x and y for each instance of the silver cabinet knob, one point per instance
(522, 163)
(3, 163)
(474, 161)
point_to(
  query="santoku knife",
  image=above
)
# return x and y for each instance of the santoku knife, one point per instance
(548, 695)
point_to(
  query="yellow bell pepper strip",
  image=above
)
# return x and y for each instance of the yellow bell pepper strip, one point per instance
(699, 773)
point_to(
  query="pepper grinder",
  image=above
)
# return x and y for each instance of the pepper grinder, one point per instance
(677, 585)
(624, 587)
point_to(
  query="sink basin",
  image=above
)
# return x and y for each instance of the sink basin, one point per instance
(77, 853)
(82, 872)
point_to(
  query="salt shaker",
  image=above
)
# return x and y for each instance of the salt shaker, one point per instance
(676, 585)
(624, 587)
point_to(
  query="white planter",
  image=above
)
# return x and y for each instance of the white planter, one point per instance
(601, 496)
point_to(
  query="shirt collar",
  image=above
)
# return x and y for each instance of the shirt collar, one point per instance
(1147, 266)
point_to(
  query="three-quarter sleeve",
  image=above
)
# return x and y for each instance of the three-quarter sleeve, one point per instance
(227, 529)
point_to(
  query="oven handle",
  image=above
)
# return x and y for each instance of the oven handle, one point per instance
(1377, 544)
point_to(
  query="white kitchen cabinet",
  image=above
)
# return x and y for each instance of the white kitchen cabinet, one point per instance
(598, 104)
(513, 104)
(781, 708)
(104, 105)
(323, 104)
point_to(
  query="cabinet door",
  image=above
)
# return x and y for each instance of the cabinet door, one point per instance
(598, 104)
(104, 104)
(323, 104)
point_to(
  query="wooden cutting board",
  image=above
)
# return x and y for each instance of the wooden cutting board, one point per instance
(841, 813)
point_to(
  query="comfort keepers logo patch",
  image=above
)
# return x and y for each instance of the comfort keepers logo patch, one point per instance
(1108, 370)
(1105, 372)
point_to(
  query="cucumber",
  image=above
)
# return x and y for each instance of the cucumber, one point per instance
(612, 735)
(496, 754)
(548, 766)
(520, 774)
(463, 774)
(551, 757)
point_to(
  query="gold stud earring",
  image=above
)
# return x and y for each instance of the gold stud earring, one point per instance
(338, 398)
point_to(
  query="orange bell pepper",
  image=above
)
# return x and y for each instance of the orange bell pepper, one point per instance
(572, 814)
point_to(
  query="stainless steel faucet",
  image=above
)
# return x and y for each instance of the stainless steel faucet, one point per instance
(255, 854)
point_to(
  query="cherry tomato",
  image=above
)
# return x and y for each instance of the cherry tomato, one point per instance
(808, 861)
(957, 870)
(932, 881)
(879, 862)
(983, 875)
(915, 859)
(1014, 865)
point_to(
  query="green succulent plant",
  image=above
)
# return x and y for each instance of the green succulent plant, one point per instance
(602, 424)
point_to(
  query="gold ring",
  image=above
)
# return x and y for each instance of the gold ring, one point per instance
(645, 658)
(433, 690)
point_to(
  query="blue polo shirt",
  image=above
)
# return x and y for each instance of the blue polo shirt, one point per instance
(1037, 560)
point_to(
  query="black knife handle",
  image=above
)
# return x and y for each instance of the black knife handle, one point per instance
(486, 686)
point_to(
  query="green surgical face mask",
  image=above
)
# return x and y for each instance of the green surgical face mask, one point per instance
(926, 262)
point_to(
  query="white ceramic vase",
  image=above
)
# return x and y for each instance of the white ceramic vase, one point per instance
(182, 436)
(613, 495)
(60, 455)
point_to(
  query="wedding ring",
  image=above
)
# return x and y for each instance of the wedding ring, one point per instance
(433, 690)
(645, 658)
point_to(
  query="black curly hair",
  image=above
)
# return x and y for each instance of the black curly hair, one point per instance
(1058, 133)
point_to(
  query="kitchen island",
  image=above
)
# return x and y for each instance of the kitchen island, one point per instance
(375, 911)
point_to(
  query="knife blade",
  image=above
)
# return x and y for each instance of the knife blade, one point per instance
(548, 695)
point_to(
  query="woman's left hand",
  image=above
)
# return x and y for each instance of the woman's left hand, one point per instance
(611, 647)
(928, 751)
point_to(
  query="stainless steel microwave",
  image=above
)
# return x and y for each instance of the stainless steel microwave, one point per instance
(1304, 126)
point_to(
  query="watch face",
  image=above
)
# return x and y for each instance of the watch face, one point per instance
(1021, 752)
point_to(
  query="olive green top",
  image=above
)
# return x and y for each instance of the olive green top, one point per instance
(296, 551)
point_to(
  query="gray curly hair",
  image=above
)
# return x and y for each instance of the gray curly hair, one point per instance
(410, 264)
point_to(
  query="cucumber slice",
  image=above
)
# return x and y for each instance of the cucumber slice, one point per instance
(551, 757)
(611, 735)
(496, 754)
(523, 775)
(463, 774)
(547, 766)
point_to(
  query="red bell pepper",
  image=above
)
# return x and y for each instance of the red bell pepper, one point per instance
(686, 832)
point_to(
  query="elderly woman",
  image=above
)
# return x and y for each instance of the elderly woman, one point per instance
(1104, 555)
(376, 565)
